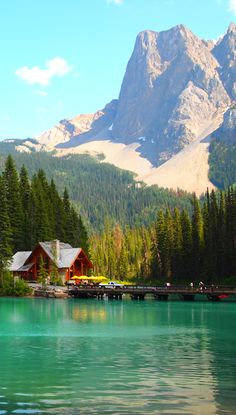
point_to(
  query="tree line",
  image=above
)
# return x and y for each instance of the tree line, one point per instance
(180, 247)
(33, 211)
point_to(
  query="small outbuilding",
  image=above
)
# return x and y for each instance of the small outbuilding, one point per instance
(68, 261)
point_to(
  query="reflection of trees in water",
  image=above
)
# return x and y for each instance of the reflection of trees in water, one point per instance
(86, 314)
(222, 341)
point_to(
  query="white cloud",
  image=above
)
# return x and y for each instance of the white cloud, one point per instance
(115, 1)
(232, 6)
(54, 67)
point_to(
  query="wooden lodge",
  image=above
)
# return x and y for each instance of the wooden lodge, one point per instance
(69, 261)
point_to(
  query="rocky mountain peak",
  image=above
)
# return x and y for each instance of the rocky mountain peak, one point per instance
(231, 28)
(225, 53)
(170, 91)
(175, 91)
(227, 131)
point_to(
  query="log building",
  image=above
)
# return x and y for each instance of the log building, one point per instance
(68, 261)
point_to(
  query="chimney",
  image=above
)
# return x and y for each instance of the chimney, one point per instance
(55, 247)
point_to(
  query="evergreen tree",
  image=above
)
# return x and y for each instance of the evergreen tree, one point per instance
(25, 192)
(177, 248)
(5, 231)
(122, 266)
(210, 216)
(83, 238)
(54, 274)
(163, 248)
(58, 214)
(14, 205)
(42, 274)
(187, 248)
(41, 215)
(147, 236)
(70, 225)
(221, 240)
(197, 238)
(230, 231)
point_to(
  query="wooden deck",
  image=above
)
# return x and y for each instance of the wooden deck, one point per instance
(184, 293)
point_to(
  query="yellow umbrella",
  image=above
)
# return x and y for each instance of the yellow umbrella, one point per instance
(98, 278)
(79, 277)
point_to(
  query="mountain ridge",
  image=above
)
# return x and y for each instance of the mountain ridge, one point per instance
(175, 92)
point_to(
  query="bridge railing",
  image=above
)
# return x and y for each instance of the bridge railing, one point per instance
(152, 288)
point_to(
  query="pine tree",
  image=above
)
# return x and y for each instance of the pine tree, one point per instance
(14, 206)
(58, 214)
(122, 266)
(230, 228)
(168, 246)
(162, 259)
(83, 239)
(43, 230)
(146, 253)
(212, 239)
(221, 240)
(42, 274)
(54, 274)
(177, 245)
(187, 248)
(5, 231)
(198, 239)
(25, 192)
(70, 226)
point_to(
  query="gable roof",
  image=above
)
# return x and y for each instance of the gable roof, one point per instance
(18, 260)
(48, 248)
(67, 255)
(65, 251)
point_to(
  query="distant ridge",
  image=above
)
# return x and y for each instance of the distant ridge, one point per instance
(175, 92)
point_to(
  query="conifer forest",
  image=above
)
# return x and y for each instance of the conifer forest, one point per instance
(194, 241)
(178, 247)
(32, 211)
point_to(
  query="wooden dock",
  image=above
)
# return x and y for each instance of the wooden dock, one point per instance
(211, 293)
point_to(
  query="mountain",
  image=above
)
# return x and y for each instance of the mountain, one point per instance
(225, 53)
(175, 92)
(227, 131)
(170, 94)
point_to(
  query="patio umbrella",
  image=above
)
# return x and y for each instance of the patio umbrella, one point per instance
(79, 277)
(98, 278)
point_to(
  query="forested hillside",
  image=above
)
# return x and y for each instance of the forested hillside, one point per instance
(222, 162)
(178, 247)
(98, 190)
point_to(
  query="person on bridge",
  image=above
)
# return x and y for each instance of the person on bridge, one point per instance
(201, 286)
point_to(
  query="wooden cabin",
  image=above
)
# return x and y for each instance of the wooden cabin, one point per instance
(69, 261)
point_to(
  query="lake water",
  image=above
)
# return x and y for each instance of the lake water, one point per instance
(117, 357)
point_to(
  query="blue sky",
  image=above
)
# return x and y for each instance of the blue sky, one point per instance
(61, 58)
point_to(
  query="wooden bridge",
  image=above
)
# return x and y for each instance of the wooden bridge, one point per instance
(184, 293)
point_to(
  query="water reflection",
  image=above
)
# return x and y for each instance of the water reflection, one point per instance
(101, 357)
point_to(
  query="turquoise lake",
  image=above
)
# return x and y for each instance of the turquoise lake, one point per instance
(117, 357)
